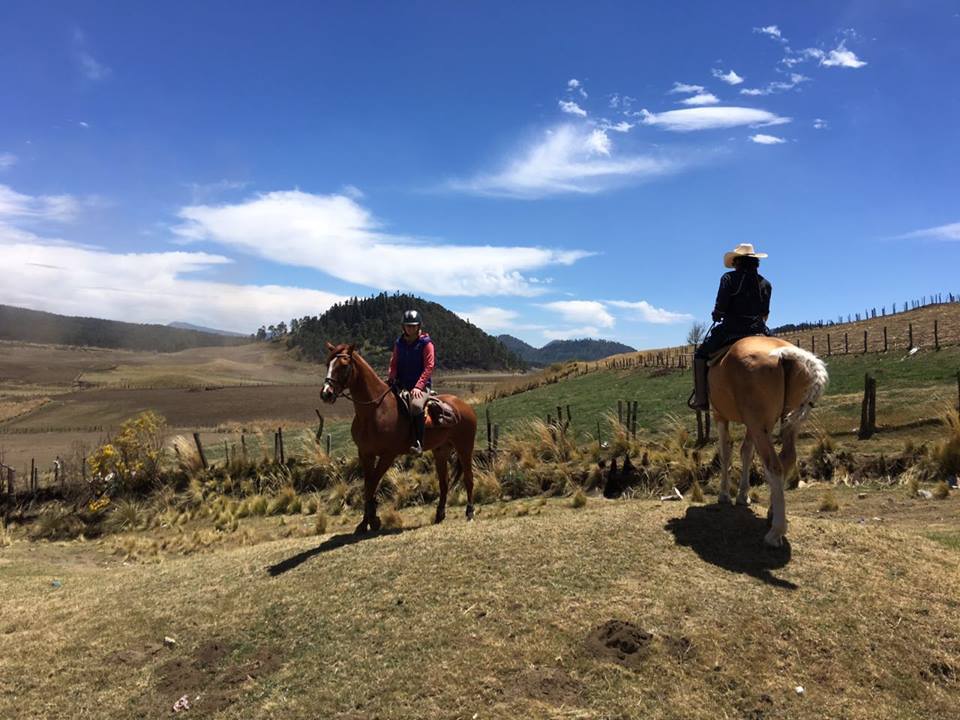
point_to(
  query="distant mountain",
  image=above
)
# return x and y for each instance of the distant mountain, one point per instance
(201, 328)
(563, 350)
(373, 323)
(48, 328)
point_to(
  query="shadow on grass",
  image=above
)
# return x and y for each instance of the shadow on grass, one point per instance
(331, 543)
(732, 538)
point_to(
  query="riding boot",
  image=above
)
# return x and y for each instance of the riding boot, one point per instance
(700, 399)
(419, 428)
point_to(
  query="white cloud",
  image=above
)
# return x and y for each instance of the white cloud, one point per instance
(701, 99)
(336, 235)
(491, 319)
(709, 118)
(941, 232)
(820, 124)
(588, 312)
(586, 331)
(621, 127)
(90, 67)
(571, 108)
(841, 57)
(771, 30)
(574, 85)
(599, 142)
(14, 205)
(762, 139)
(565, 159)
(645, 312)
(7, 160)
(142, 287)
(679, 87)
(730, 78)
(777, 85)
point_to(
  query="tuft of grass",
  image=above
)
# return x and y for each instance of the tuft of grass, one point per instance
(696, 493)
(188, 458)
(391, 519)
(754, 497)
(946, 453)
(56, 522)
(320, 524)
(828, 502)
(942, 490)
(913, 484)
(126, 515)
(579, 499)
(282, 501)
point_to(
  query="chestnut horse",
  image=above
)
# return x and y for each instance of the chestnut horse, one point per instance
(382, 433)
(759, 381)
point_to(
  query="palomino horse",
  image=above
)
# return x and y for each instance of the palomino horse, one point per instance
(759, 381)
(382, 433)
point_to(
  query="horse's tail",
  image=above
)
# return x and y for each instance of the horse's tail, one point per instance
(814, 371)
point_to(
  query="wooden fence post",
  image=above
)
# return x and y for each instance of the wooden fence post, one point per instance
(280, 444)
(936, 335)
(868, 408)
(633, 426)
(910, 331)
(243, 445)
(489, 431)
(203, 457)
(620, 411)
(846, 344)
(496, 436)
(600, 440)
(813, 344)
(864, 342)
(329, 443)
(828, 345)
(33, 476)
(320, 426)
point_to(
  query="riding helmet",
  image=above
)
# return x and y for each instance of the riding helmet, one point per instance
(411, 317)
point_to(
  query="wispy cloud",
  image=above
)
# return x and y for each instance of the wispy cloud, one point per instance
(587, 312)
(645, 312)
(841, 57)
(679, 87)
(142, 287)
(566, 159)
(203, 192)
(762, 139)
(574, 85)
(730, 78)
(17, 206)
(941, 232)
(709, 118)
(336, 235)
(7, 160)
(701, 99)
(91, 68)
(571, 108)
(496, 320)
(772, 31)
(777, 86)
(820, 124)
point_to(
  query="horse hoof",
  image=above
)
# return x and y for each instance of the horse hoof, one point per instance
(438, 518)
(773, 540)
(469, 513)
(375, 523)
(743, 502)
(361, 528)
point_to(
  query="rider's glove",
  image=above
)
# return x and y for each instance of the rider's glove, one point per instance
(717, 316)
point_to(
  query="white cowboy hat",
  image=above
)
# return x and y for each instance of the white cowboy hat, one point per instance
(741, 250)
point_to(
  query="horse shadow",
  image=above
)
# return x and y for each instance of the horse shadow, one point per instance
(332, 543)
(731, 538)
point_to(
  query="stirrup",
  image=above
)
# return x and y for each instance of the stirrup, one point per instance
(416, 449)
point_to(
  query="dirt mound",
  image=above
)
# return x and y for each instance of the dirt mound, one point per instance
(621, 642)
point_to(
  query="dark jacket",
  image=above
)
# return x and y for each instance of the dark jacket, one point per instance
(743, 302)
(412, 363)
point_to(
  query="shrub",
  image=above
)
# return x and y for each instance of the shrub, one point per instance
(942, 490)
(828, 503)
(125, 516)
(131, 461)
(579, 499)
(391, 519)
(320, 524)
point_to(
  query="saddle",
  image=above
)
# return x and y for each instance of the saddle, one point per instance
(717, 355)
(436, 411)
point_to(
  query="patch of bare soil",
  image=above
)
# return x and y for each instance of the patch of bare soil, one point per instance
(210, 677)
(620, 642)
(549, 685)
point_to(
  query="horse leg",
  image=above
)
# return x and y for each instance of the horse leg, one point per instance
(788, 455)
(440, 457)
(746, 460)
(373, 471)
(465, 458)
(723, 431)
(774, 472)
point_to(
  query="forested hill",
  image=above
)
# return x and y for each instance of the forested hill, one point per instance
(50, 329)
(373, 324)
(563, 350)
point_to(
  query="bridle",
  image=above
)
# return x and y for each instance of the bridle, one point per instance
(342, 389)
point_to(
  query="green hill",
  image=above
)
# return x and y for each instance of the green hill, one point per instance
(373, 324)
(50, 329)
(584, 349)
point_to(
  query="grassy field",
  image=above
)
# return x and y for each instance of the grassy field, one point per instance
(620, 609)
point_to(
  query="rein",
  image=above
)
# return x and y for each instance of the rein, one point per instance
(344, 390)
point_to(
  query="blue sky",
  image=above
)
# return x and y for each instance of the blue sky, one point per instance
(548, 170)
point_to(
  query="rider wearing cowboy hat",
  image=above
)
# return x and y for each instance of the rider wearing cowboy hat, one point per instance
(742, 307)
(411, 366)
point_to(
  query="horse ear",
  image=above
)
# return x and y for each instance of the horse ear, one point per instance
(350, 348)
(330, 346)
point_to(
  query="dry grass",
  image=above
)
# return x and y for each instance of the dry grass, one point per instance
(414, 609)
(828, 502)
